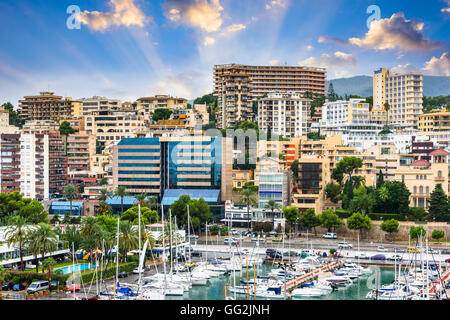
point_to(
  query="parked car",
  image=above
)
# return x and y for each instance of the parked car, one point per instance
(378, 257)
(8, 286)
(231, 241)
(290, 254)
(276, 255)
(277, 239)
(401, 250)
(361, 256)
(445, 251)
(344, 245)
(382, 249)
(394, 257)
(254, 234)
(329, 235)
(270, 250)
(447, 260)
(123, 274)
(412, 250)
(193, 236)
(273, 234)
(37, 286)
(136, 271)
(196, 254)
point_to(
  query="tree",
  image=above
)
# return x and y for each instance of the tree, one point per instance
(416, 232)
(439, 206)
(380, 179)
(71, 193)
(142, 198)
(89, 227)
(417, 214)
(103, 208)
(330, 220)
(48, 264)
(33, 212)
(438, 234)
(161, 114)
(291, 214)
(54, 219)
(362, 201)
(332, 96)
(128, 237)
(199, 211)
(390, 226)
(359, 221)
(392, 197)
(309, 219)
(104, 181)
(121, 192)
(47, 239)
(294, 169)
(333, 192)
(14, 118)
(65, 129)
(102, 194)
(248, 198)
(346, 166)
(348, 194)
(147, 215)
(34, 248)
(107, 222)
(272, 205)
(387, 107)
(358, 181)
(72, 235)
(17, 234)
(2, 280)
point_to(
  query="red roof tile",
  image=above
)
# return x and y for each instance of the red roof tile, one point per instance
(420, 163)
(439, 152)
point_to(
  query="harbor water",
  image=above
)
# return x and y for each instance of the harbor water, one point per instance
(215, 290)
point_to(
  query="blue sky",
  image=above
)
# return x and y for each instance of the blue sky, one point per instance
(127, 49)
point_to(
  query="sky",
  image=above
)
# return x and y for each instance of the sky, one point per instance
(126, 49)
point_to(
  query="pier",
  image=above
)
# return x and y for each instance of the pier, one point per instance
(310, 276)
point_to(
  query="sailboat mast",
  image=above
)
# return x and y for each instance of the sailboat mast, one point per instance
(170, 242)
(139, 250)
(164, 250)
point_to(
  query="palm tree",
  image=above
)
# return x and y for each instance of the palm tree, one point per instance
(272, 205)
(17, 234)
(121, 192)
(152, 203)
(357, 181)
(2, 279)
(128, 237)
(46, 237)
(248, 198)
(34, 247)
(102, 195)
(71, 193)
(387, 107)
(89, 227)
(103, 208)
(141, 198)
(48, 264)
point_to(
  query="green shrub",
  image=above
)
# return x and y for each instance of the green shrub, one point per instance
(342, 213)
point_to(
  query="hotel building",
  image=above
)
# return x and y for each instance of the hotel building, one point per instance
(403, 93)
(45, 106)
(237, 85)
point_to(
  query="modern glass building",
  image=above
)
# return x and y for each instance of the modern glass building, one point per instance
(154, 165)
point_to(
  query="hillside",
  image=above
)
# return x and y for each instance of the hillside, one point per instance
(362, 85)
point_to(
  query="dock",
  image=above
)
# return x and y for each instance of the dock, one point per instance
(310, 275)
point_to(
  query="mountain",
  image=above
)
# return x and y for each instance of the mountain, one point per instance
(362, 86)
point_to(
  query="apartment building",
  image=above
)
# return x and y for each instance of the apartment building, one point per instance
(45, 106)
(10, 162)
(80, 149)
(58, 167)
(35, 166)
(5, 127)
(146, 105)
(99, 105)
(237, 85)
(309, 190)
(285, 114)
(403, 93)
(353, 120)
(274, 185)
(154, 165)
(437, 121)
(421, 177)
(241, 177)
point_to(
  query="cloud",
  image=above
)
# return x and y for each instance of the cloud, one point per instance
(209, 41)
(433, 67)
(395, 32)
(447, 9)
(323, 39)
(276, 3)
(125, 13)
(233, 28)
(309, 47)
(338, 63)
(438, 66)
(203, 14)
(274, 62)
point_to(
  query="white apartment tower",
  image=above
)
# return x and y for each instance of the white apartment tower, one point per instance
(285, 114)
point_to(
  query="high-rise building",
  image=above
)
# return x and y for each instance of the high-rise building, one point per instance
(285, 114)
(10, 162)
(153, 165)
(402, 92)
(237, 85)
(45, 106)
(80, 149)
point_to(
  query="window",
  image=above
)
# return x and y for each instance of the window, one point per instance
(415, 189)
(420, 190)
(439, 174)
